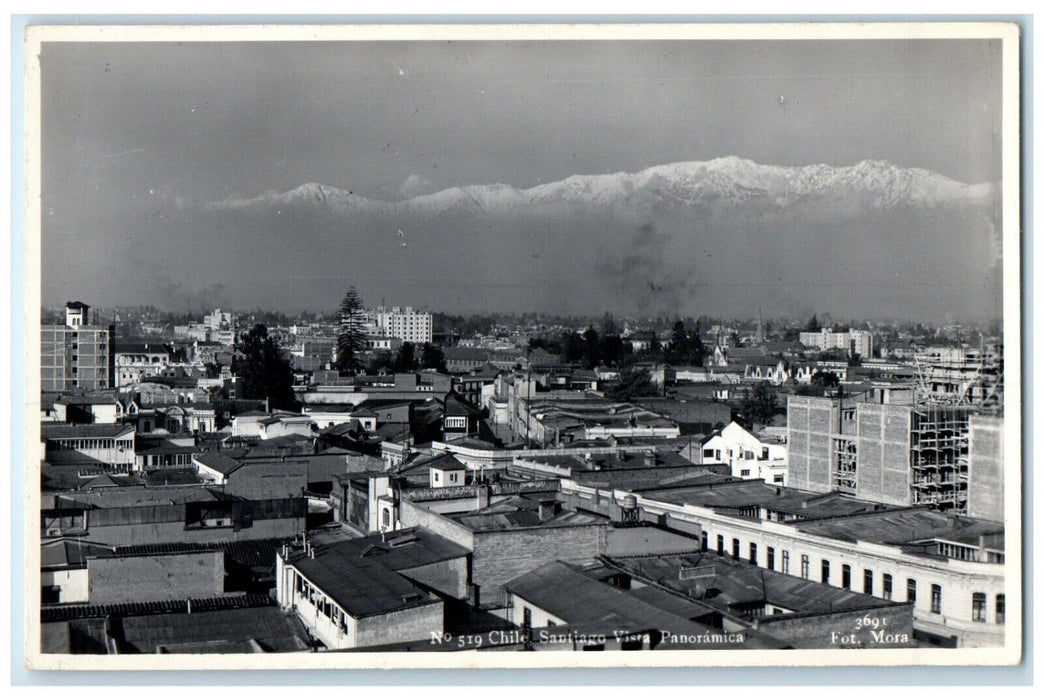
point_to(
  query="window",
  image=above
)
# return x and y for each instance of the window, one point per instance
(438, 477)
(770, 561)
(804, 566)
(386, 517)
(1000, 608)
(824, 571)
(886, 586)
(744, 472)
(721, 544)
(978, 607)
(786, 562)
(708, 454)
(846, 576)
(868, 581)
(703, 541)
(735, 548)
(936, 598)
(764, 453)
(527, 618)
(911, 590)
(753, 553)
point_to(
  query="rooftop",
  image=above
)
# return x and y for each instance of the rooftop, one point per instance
(90, 430)
(908, 526)
(241, 630)
(523, 511)
(219, 462)
(361, 575)
(132, 496)
(585, 602)
(734, 585)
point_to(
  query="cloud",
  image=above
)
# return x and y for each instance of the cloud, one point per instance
(416, 185)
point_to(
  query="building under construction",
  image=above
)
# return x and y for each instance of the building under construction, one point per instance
(945, 456)
(939, 456)
(962, 376)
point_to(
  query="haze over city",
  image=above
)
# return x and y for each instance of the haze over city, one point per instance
(858, 177)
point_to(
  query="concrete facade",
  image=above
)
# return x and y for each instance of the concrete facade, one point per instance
(810, 424)
(986, 468)
(883, 448)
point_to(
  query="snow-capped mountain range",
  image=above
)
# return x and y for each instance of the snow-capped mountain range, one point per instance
(722, 182)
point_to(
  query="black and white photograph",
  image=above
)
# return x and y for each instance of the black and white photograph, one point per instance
(375, 346)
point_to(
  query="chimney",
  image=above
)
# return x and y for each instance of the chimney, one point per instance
(548, 510)
(482, 496)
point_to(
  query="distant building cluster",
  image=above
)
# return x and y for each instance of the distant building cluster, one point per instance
(404, 324)
(852, 341)
(775, 497)
(217, 327)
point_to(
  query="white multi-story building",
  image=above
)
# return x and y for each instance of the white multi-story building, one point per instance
(219, 320)
(406, 324)
(852, 341)
(748, 456)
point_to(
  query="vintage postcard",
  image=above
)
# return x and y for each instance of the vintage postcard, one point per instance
(481, 346)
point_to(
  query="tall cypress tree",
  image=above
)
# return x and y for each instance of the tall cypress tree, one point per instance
(351, 340)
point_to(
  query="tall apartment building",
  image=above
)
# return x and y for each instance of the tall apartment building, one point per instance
(900, 455)
(852, 341)
(405, 324)
(77, 355)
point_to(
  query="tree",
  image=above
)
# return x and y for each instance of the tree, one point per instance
(592, 352)
(263, 371)
(813, 325)
(351, 340)
(633, 383)
(380, 360)
(823, 379)
(678, 349)
(212, 369)
(614, 350)
(432, 357)
(685, 348)
(406, 360)
(572, 347)
(759, 407)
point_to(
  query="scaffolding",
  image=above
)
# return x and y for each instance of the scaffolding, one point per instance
(962, 376)
(939, 456)
(844, 465)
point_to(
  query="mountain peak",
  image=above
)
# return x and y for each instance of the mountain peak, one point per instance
(727, 181)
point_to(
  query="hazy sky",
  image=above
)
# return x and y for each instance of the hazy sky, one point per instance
(133, 132)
